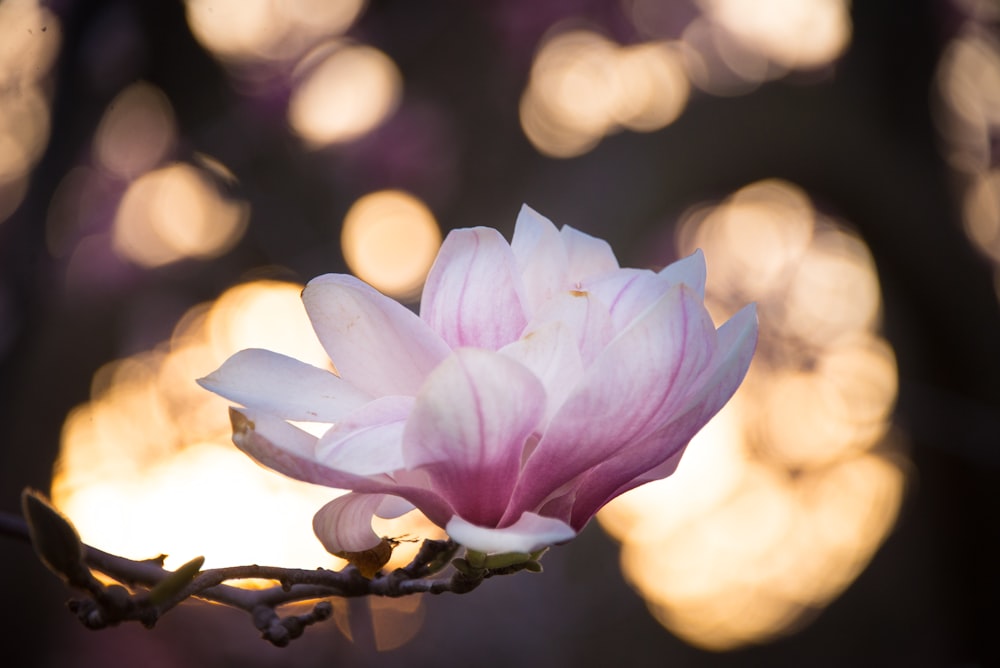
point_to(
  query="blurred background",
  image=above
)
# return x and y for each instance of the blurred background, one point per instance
(171, 173)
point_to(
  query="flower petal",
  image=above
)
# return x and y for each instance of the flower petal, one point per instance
(586, 317)
(588, 256)
(286, 387)
(531, 532)
(659, 455)
(290, 451)
(468, 429)
(690, 271)
(552, 353)
(376, 343)
(541, 259)
(368, 441)
(627, 294)
(472, 294)
(633, 388)
(345, 524)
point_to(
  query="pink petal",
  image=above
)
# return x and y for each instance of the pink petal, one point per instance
(468, 429)
(627, 294)
(471, 297)
(291, 451)
(631, 390)
(552, 353)
(585, 316)
(690, 271)
(659, 455)
(345, 524)
(541, 259)
(588, 256)
(376, 343)
(368, 441)
(531, 532)
(286, 387)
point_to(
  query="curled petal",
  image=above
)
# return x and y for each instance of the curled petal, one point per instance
(267, 381)
(368, 441)
(376, 343)
(345, 524)
(469, 426)
(531, 532)
(471, 297)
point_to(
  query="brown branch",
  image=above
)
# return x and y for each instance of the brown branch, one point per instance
(155, 590)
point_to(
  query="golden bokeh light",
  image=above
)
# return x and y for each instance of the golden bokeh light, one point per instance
(174, 213)
(390, 239)
(344, 91)
(968, 80)
(795, 34)
(981, 213)
(29, 41)
(583, 86)
(730, 47)
(147, 466)
(253, 30)
(782, 500)
(136, 132)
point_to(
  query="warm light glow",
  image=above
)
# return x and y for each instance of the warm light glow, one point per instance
(584, 86)
(982, 213)
(390, 239)
(147, 467)
(781, 500)
(968, 79)
(30, 37)
(242, 30)
(350, 91)
(136, 132)
(654, 86)
(29, 41)
(797, 34)
(176, 213)
(24, 131)
(968, 83)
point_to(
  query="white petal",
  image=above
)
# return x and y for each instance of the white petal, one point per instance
(552, 353)
(267, 381)
(541, 258)
(345, 524)
(375, 342)
(530, 533)
(368, 441)
(588, 256)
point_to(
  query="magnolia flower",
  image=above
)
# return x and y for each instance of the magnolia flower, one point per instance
(538, 382)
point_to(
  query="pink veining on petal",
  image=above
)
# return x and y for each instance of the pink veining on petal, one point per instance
(539, 381)
(376, 343)
(468, 429)
(472, 294)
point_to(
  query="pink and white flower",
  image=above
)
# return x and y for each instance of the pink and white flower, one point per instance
(538, 382)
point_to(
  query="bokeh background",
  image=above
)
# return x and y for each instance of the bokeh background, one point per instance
(172, 172)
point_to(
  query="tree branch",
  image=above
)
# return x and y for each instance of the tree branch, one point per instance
(152, 590)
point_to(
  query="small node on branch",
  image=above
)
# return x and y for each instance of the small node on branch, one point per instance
(55, 539)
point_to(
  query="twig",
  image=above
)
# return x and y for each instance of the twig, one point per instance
(153, 590)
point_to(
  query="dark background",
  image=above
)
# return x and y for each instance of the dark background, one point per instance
(862, 143)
